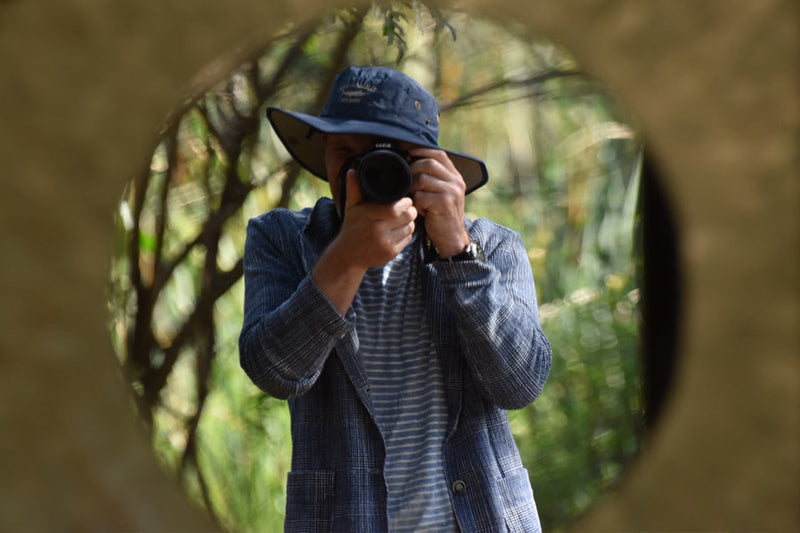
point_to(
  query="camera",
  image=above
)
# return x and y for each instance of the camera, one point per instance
(384, 173)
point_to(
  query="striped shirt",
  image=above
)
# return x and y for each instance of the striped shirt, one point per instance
(406, 384)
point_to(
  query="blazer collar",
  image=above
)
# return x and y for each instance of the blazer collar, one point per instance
(323, 225)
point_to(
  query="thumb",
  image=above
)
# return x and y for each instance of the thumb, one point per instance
(353, 189)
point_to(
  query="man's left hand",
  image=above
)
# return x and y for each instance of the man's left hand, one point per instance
(438, 191)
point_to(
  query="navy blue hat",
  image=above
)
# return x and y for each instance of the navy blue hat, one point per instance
(370, 101)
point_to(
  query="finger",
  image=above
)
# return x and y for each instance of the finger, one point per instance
(424, 201)
(439, 156)
(434, 184)
(353, 190)
(439, 204)
(404, 210)
(430, 175)
(402, 234)
(431, 167)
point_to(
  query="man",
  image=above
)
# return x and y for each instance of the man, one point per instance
(398, 343)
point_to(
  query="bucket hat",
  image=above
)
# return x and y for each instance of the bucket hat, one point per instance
(375, 101)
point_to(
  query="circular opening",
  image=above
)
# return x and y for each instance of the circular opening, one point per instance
(567, 171)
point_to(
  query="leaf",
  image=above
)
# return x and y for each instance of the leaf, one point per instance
(394, 32)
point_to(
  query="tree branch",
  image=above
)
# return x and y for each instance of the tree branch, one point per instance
(470, 97)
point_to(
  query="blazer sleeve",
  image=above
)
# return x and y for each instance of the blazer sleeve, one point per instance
(289, 326)
(494, 306)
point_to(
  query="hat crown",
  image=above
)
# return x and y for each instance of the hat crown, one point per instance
(375, 94)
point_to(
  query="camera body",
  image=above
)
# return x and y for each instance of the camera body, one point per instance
(384, 172)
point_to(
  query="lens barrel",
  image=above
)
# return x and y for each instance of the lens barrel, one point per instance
(384, 176)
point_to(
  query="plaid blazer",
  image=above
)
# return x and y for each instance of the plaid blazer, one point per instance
(493, 354)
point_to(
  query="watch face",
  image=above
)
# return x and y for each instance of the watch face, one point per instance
(475, 250)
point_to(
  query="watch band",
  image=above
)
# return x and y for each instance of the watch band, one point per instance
(473, 252)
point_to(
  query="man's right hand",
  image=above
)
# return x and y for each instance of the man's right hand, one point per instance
(371, 235)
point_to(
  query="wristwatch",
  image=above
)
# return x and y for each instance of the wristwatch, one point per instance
(473, 252)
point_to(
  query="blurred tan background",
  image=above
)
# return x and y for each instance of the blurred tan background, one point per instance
(85, 86)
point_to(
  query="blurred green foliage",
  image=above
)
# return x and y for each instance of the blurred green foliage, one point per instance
(564, 166)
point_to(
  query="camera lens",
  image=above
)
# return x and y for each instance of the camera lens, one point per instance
(384, 176)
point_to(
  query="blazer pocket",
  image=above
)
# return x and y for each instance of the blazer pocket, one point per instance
(519, 507)
(309, 501)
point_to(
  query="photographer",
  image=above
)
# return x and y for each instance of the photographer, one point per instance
(398, 330)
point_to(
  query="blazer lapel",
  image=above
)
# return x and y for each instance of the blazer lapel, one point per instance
(319, 231)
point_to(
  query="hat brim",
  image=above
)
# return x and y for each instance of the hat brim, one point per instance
(299, 133)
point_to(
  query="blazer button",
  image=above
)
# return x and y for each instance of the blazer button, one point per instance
(459, 487)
